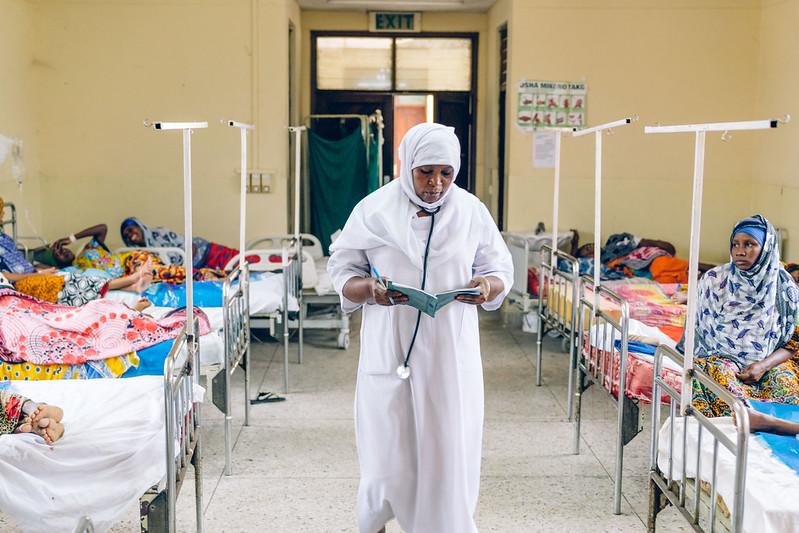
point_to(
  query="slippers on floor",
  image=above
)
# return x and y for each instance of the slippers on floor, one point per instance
(267, 397)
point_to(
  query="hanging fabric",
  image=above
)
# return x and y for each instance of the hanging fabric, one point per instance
(340, 179)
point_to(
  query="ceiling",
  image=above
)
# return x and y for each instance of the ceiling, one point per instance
(401, 5)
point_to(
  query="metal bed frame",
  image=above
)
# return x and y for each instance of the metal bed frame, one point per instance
(13, 222)
(307, 296)
(663, 489)
(236, 331)
(183, 438)
(559, 287)
(595, 364)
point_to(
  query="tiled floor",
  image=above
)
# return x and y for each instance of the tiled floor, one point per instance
(295, 466)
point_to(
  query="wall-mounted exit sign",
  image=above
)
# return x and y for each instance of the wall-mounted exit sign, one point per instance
(395, 21)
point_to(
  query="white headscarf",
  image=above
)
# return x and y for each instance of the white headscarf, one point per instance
(384, 217)
(428, 144)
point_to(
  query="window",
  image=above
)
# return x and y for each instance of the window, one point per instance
(434, 64)
(354, 63)
(393, 63)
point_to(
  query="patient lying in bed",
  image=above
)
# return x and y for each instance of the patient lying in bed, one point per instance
(19, 414)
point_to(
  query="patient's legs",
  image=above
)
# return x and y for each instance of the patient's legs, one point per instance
(769, 424)
(47, 412)
(46, 422)
(139, 281)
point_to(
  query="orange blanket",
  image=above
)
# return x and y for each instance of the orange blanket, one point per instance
(665, 269)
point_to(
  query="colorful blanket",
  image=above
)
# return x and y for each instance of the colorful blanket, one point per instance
(44, 333)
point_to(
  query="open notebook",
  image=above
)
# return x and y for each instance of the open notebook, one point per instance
(430, 303)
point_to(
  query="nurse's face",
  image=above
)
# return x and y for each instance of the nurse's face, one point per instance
(430, 182)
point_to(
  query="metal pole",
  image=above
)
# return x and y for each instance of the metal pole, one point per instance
(555, 200)
(597, 216)
(693, 268)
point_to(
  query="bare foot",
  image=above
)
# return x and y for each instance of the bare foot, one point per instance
(25, 426)
(50, 430)
(144, 275)
(46, 412)
(141, 305)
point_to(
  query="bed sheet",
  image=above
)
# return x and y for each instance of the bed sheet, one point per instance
(771, 502)
(324, 285)
(648, 302)
(111, 453)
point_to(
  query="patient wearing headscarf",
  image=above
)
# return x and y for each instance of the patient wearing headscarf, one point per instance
(206, 254)
(745, 326)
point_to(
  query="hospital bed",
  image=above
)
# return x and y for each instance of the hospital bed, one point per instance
(526, 253)
(597, 332)
(226, 348)
(713, 473)
(317, 288)
(126, 439)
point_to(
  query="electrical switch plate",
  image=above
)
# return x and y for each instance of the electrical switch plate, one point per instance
(260, 181)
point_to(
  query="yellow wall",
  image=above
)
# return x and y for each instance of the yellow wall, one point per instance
(102, 67)
(431, 21)
(670, 62)
(17, 109)
(775, 187)
(500, 14)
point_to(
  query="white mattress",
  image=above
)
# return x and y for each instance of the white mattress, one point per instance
(772, 489)
(111, 453)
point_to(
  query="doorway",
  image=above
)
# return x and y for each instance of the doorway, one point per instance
(410, 79)
(502, 123)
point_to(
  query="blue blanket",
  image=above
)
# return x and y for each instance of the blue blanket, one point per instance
(637, 347)
(151, 360)
(786, 449)
(206, 294)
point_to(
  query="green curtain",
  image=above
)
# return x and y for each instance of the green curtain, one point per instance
(339, 180)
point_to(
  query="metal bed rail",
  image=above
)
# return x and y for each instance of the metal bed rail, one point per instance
(558, 292)
(11, 220)
(19, 240)
(236, 315)
(662, 484)
(312, 252)
(597, 333)
(183, 437)
(292, 288)
(520, 253)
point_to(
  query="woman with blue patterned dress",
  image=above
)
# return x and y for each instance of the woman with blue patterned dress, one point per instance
(746, 337)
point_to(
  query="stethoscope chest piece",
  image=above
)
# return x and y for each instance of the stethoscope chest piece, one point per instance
(403, 372)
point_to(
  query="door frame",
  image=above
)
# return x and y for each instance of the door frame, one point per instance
(474, 37)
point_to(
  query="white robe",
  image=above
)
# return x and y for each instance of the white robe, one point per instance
(419, 440)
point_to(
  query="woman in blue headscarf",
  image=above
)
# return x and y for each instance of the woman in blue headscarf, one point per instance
(746, 320)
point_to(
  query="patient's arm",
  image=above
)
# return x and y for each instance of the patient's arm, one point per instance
(98, 233)
(753, 372)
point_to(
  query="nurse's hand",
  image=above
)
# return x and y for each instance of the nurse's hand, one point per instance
(382, 296)
(485, 290)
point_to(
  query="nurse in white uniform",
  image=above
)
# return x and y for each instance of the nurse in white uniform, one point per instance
(419, 394)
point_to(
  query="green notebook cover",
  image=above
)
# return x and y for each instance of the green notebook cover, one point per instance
(430, 303)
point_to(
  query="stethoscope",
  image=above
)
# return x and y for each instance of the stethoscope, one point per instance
(403, 371)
